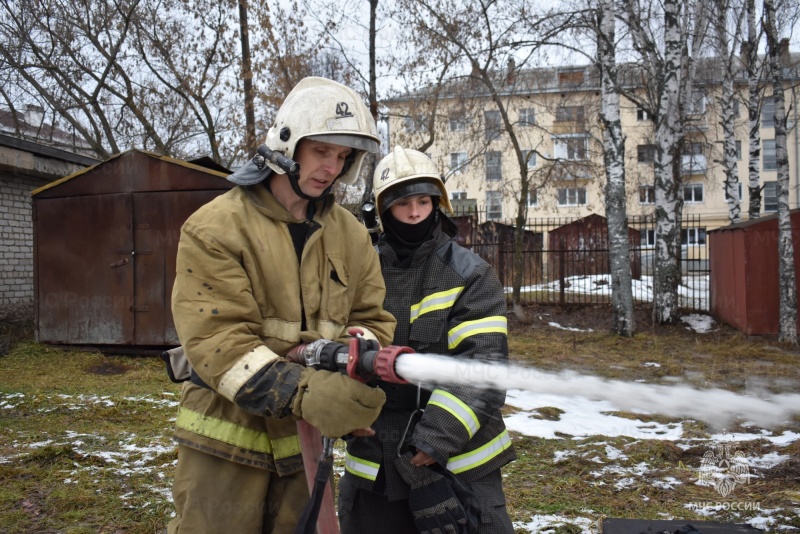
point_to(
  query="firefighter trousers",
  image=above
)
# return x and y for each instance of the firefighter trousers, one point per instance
(216, 496)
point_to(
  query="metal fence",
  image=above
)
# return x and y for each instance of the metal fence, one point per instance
(566, 261)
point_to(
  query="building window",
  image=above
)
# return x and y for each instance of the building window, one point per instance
(458, 161)
(415, 124)
(768, 112)
(570, 148)
(738, 150)
(769, 156)
(697, 104)
(493, 123)
(693, 149)
(647, 194)
(527, 117)
(736, 107)
(770, 196)
(693, 193)
(646, 153)
(458, 195)
(648, 238)
(458, 124)
(569, 114)
(693, 236)
(572, 196)
(494, 165)
(642, 115)
(533, 198)
(530, 156)
(494, 205)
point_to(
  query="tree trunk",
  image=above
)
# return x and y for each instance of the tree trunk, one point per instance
(668, 202)
(519, 256)
(729, 164)
(247, 81)
(614, 157)
(787, 329)
(371, 161)
(753, 97)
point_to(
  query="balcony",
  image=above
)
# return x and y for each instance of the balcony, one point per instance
(693, 164)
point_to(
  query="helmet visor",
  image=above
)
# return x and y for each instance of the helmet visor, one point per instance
(353, 141)
(405, 190)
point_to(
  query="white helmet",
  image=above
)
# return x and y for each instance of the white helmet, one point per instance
(324, 110)
(407, 173)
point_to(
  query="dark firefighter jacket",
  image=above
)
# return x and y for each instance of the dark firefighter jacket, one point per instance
(449, 301)
(239, 301)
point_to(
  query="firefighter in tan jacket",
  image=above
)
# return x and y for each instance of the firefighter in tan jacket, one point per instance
(261, 271)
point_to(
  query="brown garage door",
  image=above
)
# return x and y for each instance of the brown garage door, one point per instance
(84, 270)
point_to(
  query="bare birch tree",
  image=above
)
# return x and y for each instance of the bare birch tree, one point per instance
(614, 158)
(787, 285)
(666, 72)
(727, 19)
(754, 95)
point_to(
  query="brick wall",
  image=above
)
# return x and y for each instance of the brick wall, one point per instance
(16, 244)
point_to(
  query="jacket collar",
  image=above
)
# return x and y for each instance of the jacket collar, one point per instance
(265, 202)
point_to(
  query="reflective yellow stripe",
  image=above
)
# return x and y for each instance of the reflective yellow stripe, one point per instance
(478, 457)
(238, 436)
(457, 408)
(435, 301)
(496, 324)
(360, 467)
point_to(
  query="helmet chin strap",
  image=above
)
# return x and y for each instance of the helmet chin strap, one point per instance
(295, 183)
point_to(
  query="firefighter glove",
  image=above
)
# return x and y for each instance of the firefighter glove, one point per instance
(438, 501)
(336, 404)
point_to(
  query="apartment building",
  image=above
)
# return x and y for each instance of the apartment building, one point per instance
(555, 113)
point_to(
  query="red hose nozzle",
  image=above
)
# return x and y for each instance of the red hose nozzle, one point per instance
(385, 361)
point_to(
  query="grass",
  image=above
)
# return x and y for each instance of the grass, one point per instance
(85, 439)
(85, 442)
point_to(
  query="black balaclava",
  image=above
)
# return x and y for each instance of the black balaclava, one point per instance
(406, 238)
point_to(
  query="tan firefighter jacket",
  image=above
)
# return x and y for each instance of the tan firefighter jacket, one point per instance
(238, 303)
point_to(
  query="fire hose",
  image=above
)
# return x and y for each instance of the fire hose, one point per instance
(361, 359)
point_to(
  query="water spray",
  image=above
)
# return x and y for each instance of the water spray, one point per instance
(716, 407)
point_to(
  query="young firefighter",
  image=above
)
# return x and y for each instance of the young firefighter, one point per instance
(441, 469)
(262, 270)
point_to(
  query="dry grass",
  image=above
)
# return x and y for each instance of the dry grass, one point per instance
(85, 439)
